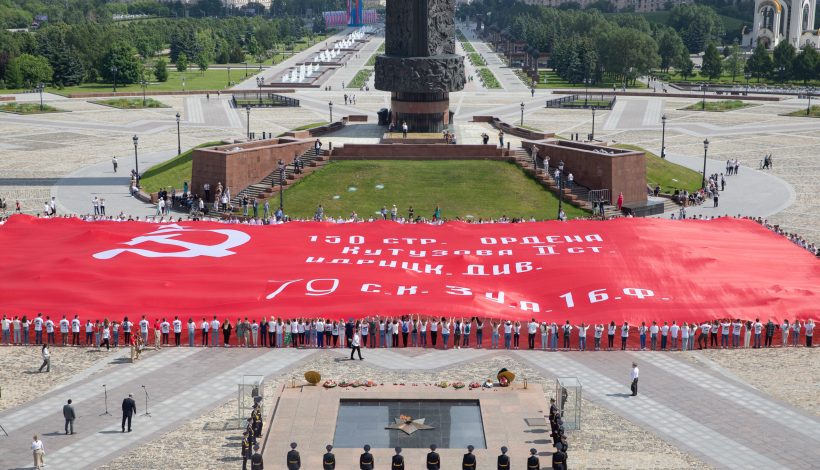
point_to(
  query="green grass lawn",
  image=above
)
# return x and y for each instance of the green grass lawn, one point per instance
(488, 78)
(813, 112)
(27, 108)
(581, 103)
(549, 79)
(172, 173)
(371, 62)
(468, 47)
(477, 60)
(361, 77)
(131, 103)
(670, 176)
(726, 79)
(481, 189)
(211, 79)
(721, 105)
(311, 126)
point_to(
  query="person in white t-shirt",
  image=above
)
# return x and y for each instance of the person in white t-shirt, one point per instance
(724, 333)
(532, 329)
(177, 324)
(599, 331)
(624, 335)
(673, 336)
(809, 325)
(758, 329)
(106, 335)
(144, 329)
(703, 338)
(653, 335)
(204, 329)
(64, 326)
(582, 336)
(785, 329)
(215, 332)
(38, 329)
(664, 335)
(165, 328)
(567, 330)
(6, 328)
(795, 332)
(684, 336)
(634, 378)
(75, 331)
(737, 325)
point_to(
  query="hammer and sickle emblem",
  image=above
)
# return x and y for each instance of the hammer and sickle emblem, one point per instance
(166, 236)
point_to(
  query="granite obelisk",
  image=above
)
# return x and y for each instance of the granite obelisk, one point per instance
(419, 66)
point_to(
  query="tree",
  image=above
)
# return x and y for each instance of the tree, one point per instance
(124, 58)
(712, 66)
(783, 54)
(202, 63)
(760, 63)
(685, 65)
(14, 75)
(35, 69)
(670, 47)
(735, 62)
(627, 52)
(697, 25)
(806, 64)
(182, 62)
(161, 70)
(319, 24)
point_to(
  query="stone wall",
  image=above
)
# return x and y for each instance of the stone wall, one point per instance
(237, 166)
(416, 152)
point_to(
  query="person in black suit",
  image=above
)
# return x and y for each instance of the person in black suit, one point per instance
(504, 459)
(433, 459)
(398, 460)
(70, 416)
(366, 461)
(532, 462)
(329, 460)
(293, 460)
(468, 461)
(129, 409)
(256, 459)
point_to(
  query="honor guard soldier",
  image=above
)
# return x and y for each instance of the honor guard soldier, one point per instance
(553, 409)
(247, 450)
(329, 460)
(366, 461)
(293, 459)
(433, 459)
(468, 462)
(256, 459)
(398, 460)
(559, 460)
(532, 462)
(504, 460)
(256, 421)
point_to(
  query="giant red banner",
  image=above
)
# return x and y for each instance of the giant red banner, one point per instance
(622, 270)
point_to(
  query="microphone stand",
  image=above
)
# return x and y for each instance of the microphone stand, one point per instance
(147, 413)
(106, 413)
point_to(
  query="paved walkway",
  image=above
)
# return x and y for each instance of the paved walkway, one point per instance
(182, 382)
(505, 75)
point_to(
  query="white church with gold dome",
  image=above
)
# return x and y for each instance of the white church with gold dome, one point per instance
(783, 20)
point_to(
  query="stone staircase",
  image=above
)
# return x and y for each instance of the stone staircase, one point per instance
(270, 184)
(578, 196)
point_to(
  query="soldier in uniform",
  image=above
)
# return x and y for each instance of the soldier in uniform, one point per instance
(329, 460)
(293, 460)
(366, 461)
(532, 461)
(468, 461)
(504, 459)
(433, 459)
(247, 451)
(553, 409)
(398, 460)
(256, 459)
(256, 421)
(559, 460)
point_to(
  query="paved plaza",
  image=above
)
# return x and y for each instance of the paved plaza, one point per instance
(712, 409)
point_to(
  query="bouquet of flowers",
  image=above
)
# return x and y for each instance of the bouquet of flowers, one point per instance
(474, 385)
(458, 385)
(488, 383)
(356, 384)
(443, 384)
(344, 384)
(370, 383)
(503, 382)
(329, 383)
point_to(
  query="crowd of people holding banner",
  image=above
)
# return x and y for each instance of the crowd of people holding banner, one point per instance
(407, 331)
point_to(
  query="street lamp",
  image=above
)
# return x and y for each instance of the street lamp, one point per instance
(248, 110)
(330, 107)
(144, 84)
(259, 82)
(705, 149)
(179, 141)
(136, 159)
(522, 113)
(586, 93)
(703, 102)
(281, 165)
(114, 71)
(41, 85)
(663, 136)
(748, 76)
(560, 187)
(592, 135)
(246, 69)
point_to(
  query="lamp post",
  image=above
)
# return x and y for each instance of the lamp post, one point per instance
(41, 85)
(229, 75)
(522, 113)
(246, 69)
(259, 82)
(136, 158)
(144, 84)
(705, 149)
(748, 76)
(560, 188)
(663, 136)
(592, 135)
(281, 185)
(703, 102)
(586, 92)
(179, 140)
(248, 111)
(114, 71)
(330, 108)
(809, 91)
